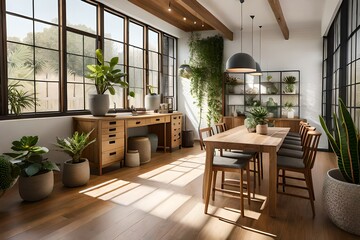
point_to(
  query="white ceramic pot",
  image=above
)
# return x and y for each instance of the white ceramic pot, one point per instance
(290, 114)
(152, 102)
(99, 104)
(342, 201)
(262, 129)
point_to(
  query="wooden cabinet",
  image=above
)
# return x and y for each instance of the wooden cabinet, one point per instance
(109, 146)
(176, 128)
(292, 123)
(232, 122)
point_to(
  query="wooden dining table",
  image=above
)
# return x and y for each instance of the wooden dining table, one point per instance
(239, 138)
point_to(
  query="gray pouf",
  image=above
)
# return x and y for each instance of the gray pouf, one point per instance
(153, 141)
(132, 158)
(142, 144)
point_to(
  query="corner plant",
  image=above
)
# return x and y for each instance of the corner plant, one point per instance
(8, 174)
(75, 145)
(206, 61)
(259, 114)
(28, 157)
(105, 75)
(345, 143)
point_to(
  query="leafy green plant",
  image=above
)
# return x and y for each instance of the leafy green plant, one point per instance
(289, 79)
(151, 90)
(259, 113)
(289, 106)
(269, 78)
(345, 143)
(250, 122)
(8, 174)
(28, 157)
(19, 99)
(105, 75)
(75, 145)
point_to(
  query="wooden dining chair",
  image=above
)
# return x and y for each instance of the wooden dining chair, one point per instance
(227, 164)
(301, 165)
(297, 145)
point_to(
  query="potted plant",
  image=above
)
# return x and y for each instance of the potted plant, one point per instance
(259, 114)
(152, 100)
(230, 82)
(289, 108)
(36, 179)
(250, 124)
(272, 107)
(106, 76)
(9, 174)
(76, 171)
(289, 84)
(341, 190)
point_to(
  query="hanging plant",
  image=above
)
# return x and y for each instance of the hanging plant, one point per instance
(206, 61)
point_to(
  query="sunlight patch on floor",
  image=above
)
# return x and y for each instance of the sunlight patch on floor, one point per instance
(170, 205)
(195, 217)
(101, 190)
(187, 178)
(99, 185)
(152, 200)
(119, 191)
(133, 195)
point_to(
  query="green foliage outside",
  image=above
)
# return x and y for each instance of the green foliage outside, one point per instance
(206, 61)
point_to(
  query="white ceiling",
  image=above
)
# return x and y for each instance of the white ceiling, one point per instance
(297, 13)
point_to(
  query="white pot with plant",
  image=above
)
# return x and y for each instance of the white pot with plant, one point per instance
(106, 76)
(152, 100)
(341, 190)
(76, 171)
(289, 108)
(36, 179)
(259, 114)
(289, 84)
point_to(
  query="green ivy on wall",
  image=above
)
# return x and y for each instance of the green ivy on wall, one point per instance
(206, 61)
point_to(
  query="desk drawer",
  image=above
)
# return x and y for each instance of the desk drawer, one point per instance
(112, 144)
(155, 120)
(137, 122)
(112, 156)
(108, 124)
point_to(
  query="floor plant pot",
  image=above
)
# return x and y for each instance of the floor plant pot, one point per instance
(99, 104)
(342, 201)
(36, 187)
(262, 129)
(76, 174)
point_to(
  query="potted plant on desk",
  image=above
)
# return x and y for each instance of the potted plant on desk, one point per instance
(259, 114)
(36, 179)
(106, 77)
(76, 171)
(152, 100)
(341, 190)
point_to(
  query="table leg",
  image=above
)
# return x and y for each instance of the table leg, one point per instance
(207, 175)
(272, 181)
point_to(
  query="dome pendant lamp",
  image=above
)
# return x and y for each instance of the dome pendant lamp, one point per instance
(241, 62)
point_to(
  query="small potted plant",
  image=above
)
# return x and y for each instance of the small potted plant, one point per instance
(230, 82)
(272, 107)
(76, 171)
(289, 84)
(341, 190)
(289, 108)
(259, 114)
(36, 179)
(106, 77)
(152, 100)
(250, 124)
(9, 174)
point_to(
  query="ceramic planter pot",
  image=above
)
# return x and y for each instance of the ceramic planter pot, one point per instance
(76, 174)
(152, 102)
(262, 129)
(99, 104)
(342, 201)
(36, 187)
(291, 114)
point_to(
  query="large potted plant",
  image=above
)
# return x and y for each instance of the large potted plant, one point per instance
(36, 179)
(76, 171)
(9, 174)
(106, 76)
(259, 114)
(341, 190)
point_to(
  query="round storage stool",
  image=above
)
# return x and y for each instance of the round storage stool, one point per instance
(142, 144)
(153, 141)
(132, 158)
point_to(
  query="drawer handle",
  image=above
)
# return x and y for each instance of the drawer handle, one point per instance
(112, 129)
(158, 119)
(112, 123)
(112, 135)
(138, 122)
(112, 142)
(112, 153)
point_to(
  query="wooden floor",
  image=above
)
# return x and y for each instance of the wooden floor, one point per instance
(162, 200)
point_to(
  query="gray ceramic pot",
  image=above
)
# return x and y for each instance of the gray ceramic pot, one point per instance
(76, 174)
(342, 201)
(36, 187)
(99, 104)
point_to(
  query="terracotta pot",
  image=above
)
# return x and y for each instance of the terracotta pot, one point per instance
(76, 174)
(262, 129)
(341, 201)
(36, 187)
(99, 104)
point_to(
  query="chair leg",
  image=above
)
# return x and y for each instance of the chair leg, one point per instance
(242, 193)
(222, 179)
(312, 185)
(311, 193)
(261, 165)
(283, 179)
(258, 170)
(248, 183)
(214, 185)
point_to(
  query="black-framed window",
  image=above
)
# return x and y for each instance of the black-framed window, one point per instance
(57, 43)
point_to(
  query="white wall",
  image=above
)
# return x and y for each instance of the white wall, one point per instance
(329, 13)
(303, 51)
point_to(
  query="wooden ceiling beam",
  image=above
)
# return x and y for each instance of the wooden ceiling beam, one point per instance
(202, 13)
(276, 8)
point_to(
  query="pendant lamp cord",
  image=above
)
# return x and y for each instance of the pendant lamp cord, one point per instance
(252, 34)
(241, 25)
(260, 45)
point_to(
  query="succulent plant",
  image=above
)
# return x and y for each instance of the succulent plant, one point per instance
(259, 114)
(8, 174)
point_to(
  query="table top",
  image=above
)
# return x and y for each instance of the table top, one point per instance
(240, 137)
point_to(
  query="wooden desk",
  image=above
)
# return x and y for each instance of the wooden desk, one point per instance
(240, 139)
